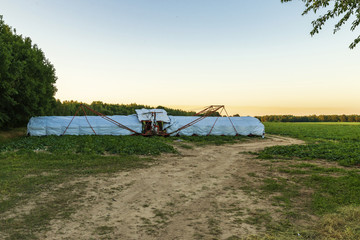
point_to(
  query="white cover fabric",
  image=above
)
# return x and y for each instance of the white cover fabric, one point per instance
(146, 115)
(56, 125)
(243, 125)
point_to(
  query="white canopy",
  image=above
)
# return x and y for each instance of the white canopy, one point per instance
(56, 125)
(223, 126)
(150, 114)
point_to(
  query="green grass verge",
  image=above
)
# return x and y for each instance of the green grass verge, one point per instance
(123, 145)
(315, 131)
(333, 192)
(334, 142)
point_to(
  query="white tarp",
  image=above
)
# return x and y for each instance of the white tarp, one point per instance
(56, 125)
(149, 114)
(243, 125)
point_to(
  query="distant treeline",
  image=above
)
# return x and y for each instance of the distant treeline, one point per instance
(68, 108)
(311, 118)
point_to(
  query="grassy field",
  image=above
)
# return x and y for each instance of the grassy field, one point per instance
(333, 191)
(316, 185)
(334, 142)
(32, 165)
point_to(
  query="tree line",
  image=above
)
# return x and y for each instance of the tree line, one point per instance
(311, 118)
(69, 108)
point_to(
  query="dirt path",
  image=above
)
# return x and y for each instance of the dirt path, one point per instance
(196, 195)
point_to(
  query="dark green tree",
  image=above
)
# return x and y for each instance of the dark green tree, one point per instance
(342, 10)
(27, 79)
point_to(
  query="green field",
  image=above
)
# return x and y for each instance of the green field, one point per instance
(335, 190)
(51, 159)
(326, 168)
(338, 142)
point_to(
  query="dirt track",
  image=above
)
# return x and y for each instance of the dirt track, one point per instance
(195, 195)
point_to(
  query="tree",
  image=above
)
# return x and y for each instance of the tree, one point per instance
(341, 9)
(27, 79)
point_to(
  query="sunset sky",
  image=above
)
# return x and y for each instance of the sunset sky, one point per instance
(256, 57)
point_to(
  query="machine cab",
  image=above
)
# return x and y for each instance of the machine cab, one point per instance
(152, 121)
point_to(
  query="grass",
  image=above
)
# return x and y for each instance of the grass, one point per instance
(315, 131)
(346, 153)
(10, 134)
(341, 224)
(98, 145)
(211, 140)
(296, 182)
(258, 217)
(334, 142)
(27, 224)
(338, 143)
(103, 230)
(30, 166)
(214, 227)
(286, 191)
(332, 191)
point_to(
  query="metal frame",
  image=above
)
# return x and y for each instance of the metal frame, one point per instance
(102, 116)
(206, 112)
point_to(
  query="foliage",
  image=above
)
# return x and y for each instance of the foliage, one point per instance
(333, 192)
(332, 187)
(312, 118)
(333, 142)
(318, 131)
(69, 108)
(27, 79)
(123, 145)
(344, 10)
(345, 153)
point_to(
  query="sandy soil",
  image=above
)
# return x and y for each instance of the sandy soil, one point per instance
(195, 195)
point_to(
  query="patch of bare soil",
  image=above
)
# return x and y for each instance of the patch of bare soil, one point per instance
(198, 194)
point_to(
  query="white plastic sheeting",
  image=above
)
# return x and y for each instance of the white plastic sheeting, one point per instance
(56, 125)
(149, 114)
(243, 125)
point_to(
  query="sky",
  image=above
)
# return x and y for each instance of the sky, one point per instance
(255, 57)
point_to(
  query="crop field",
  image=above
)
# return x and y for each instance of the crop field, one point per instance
(213, 187)
(337, 142)
(335, 189)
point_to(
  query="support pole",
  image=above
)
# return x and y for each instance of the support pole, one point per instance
(71, 121)
(87, 119)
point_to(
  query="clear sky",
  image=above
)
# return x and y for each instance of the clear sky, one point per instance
(256, 57)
